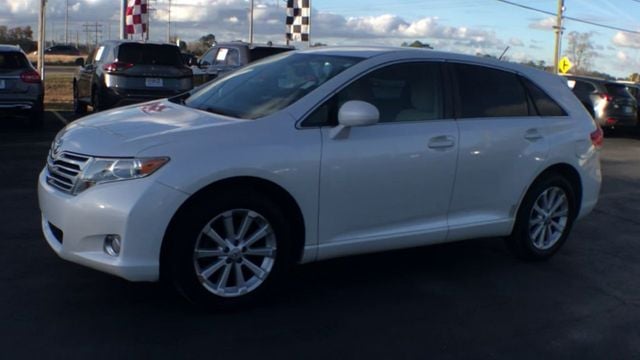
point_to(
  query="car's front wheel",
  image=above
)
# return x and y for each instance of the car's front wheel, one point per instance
(230, 250)
(544, 219)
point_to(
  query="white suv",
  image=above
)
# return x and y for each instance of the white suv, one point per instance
(317, 154)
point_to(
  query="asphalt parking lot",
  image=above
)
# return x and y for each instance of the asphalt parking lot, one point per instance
(457, 301)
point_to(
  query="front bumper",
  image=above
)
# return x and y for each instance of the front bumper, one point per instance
(139, 211)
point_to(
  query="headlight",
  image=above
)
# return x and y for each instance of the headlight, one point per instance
(103, 170)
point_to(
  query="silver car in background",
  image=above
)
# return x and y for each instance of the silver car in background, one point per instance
(21, 90)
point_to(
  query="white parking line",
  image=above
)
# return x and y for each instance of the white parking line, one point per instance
(60, 117)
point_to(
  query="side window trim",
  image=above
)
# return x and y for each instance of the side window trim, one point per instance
(448, 112)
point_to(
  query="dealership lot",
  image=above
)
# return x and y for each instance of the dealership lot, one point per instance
(465, 300)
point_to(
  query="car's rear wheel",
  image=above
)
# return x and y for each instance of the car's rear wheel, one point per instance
(228, 251)
(544, 219)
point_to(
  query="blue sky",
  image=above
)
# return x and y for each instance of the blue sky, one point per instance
(467, 26)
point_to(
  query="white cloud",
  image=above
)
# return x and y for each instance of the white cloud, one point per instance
(626, 40)
(543, 24)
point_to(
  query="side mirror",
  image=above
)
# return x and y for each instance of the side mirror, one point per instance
(358, 113)
(79, 62)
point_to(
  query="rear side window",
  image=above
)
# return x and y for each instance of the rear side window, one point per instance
(617, 90)
(13, 61)
(545, 105)
(582, 87)
(150, 54)
(486, 92)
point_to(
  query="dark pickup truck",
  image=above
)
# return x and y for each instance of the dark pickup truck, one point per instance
(225, 57)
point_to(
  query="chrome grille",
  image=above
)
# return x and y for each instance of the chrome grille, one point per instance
(64, 168)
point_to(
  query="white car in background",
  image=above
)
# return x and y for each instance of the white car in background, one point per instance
(311, 155)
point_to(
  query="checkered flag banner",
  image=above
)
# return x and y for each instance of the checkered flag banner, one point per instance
(298, 20)
(137, 17)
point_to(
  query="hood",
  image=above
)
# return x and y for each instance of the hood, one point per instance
(128, 130)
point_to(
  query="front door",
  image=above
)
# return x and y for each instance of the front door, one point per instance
(389, 185)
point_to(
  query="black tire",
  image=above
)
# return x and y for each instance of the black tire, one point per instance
(178, 263)
(79, 108)
(520, 241)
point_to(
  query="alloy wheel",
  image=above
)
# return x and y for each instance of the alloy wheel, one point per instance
(235, 252)
(549, 217)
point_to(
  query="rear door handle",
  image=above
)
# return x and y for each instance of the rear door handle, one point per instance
(441, 142)
(533, 135)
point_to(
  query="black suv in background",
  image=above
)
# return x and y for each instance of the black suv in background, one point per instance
(62, 50)
(609, 102)
(21, 90)
(126, 72)
(225, 57)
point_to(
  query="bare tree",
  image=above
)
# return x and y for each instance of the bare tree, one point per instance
(580, 50)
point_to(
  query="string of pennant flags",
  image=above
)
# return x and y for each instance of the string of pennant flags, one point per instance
(297, 21)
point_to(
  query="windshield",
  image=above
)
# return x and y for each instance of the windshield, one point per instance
(269, 85)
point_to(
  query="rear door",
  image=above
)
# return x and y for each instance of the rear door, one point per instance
(503, 144)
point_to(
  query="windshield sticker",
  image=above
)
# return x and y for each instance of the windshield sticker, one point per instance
(154, 108)
(222, 54)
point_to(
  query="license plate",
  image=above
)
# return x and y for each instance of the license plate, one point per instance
(628, 109)
(154, 82)
(2, 84)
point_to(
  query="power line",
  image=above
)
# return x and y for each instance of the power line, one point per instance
(572, 18)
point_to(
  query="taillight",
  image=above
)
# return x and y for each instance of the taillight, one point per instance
(117, 66)
(597, 137)
(607, 97)
(30, 76)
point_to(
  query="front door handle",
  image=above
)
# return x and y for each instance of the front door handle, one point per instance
(533, 135)
(441, 142)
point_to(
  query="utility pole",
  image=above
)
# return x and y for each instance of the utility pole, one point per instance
(41, 37)
(251, 24)
(558, 29)
(123, 20)
(66, 24)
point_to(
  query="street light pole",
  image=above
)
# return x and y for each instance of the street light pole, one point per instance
(66, 24)
(558, 29)
(41, 37)
(169, 24)
(123, 18)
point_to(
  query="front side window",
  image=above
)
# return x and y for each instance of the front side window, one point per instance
(207, 59)
(401, 92)
(488, 92)
(268, 86)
